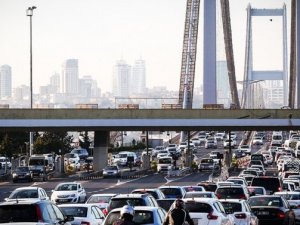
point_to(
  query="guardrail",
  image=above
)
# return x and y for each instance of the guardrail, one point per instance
(124, 174)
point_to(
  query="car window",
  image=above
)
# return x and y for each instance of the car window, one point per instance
(95, 213)
(111, 218)
(24, 194)
(152, 199)
(193, 206)
(46, 214)
(18, 213)
(51, 212)
(172, 192)
(266, 201)
(58, 213)
(232, 207)
(99, 199)
(143, 217)
(75, 211)
(118, 203)
(99, 212)
(161, 214)
(67, 187)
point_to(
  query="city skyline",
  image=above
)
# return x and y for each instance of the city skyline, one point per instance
(98, 33)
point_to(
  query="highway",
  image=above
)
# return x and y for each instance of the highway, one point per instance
(115, 185)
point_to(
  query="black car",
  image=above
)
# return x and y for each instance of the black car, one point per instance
(271, 209)
(22, 173)
(39, 211)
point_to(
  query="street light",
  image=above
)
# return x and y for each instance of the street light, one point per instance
(29, 12)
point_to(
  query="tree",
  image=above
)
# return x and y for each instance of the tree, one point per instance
(53, 142)
(86, 141)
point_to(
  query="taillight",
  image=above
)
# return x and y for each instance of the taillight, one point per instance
(210, 216)
(281, 215)
(240, 216)
(242, 197)
(105, 212)
(279, 189)
(39, 213)
(85, 223)
(218, 196)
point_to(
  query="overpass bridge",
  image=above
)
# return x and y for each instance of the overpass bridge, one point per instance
(102, 121)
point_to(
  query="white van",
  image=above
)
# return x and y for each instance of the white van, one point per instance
(277, 138)
(164, 164)
(122, 157)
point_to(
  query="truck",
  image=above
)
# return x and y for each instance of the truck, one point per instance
(40, 167)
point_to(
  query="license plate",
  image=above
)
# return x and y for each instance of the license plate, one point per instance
(197, 221)
(263, 213)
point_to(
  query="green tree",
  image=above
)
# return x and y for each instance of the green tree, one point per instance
(6, 148)
(86, 141)
(53, 142)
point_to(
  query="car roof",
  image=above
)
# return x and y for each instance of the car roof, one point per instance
(109, 194)
(233, 200)
(129, 195)
(27, 188)
(206, 200)
(23, 202)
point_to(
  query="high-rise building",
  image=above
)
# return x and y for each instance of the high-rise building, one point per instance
(138, 79)
(69, 81)
(275, 94)
(121, 79)
(223, 88)
(55, 83)
(5, 82)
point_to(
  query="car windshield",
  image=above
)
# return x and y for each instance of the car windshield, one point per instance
(165, 161)
(22, 169)
(99, 199)
(193, 188)
(122, 155)
(70, 155)
(232, 207)
(140, 217)
(259, 191)
(3, 160)
(18, 213)
(24, 194)
(266, 201)
(230, 192)
(75, 211)
(39, 162)
(153, 193)
(67, 187)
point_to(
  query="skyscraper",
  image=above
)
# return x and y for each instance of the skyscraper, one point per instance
(69, 81)
(55, 83)
(138, 79)
(5, 82)
(121, 79)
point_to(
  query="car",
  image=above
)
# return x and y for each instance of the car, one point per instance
(192, 188)
(229, 142)
(211, 143)
(200, 194)
(111, 171)
(142, 215)
(155, 192)
(4, 161)
(28, 193)
(22, 173)
(240, 210)
(293, 199)
(72, 159)
(88, 164)
(248, 178)
(162, 153)
(33, 211)
(208, 185)
(82, 153)
(88, 214)
(101, 200)
(257, 141)
(207, 210)
(232, 192)
(196, 141)
(120, 200)
(245, 148)
(172, 191)
(207, 164)
(271, 209)
(271, 184)
(249, 172)
(257, 190)
(238, 180)
(239, 154)
(69, 192)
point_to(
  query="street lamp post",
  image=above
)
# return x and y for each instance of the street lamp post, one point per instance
(29, 12)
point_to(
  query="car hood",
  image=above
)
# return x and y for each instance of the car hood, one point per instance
(65, 192)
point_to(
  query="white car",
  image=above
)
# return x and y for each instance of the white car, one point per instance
(229, 142)
(257, 141)
(240, 211)
(101, 200)
(147, 215)
(162, 153)
(72, 159)
(71, 192)
(83, 213)
(4, 161)
(196, 141)
(206, 211)
(28, 193)
(246, 149)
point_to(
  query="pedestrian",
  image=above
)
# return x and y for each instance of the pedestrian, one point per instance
(178, 215)
(126, 216)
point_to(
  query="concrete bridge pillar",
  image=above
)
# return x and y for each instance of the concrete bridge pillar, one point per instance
(101, 143)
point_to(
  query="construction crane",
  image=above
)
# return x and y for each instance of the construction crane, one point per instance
(189, 52)
(229, 52)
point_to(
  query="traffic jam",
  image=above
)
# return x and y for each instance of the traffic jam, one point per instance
(262, 187)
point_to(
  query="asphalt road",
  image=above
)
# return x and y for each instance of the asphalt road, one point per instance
(115, 185)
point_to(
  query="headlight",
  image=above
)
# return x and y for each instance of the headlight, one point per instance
(104, 172)
(15, 175)
(114, 171)
(27, 174)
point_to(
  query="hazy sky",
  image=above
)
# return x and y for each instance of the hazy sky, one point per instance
(99, 32)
